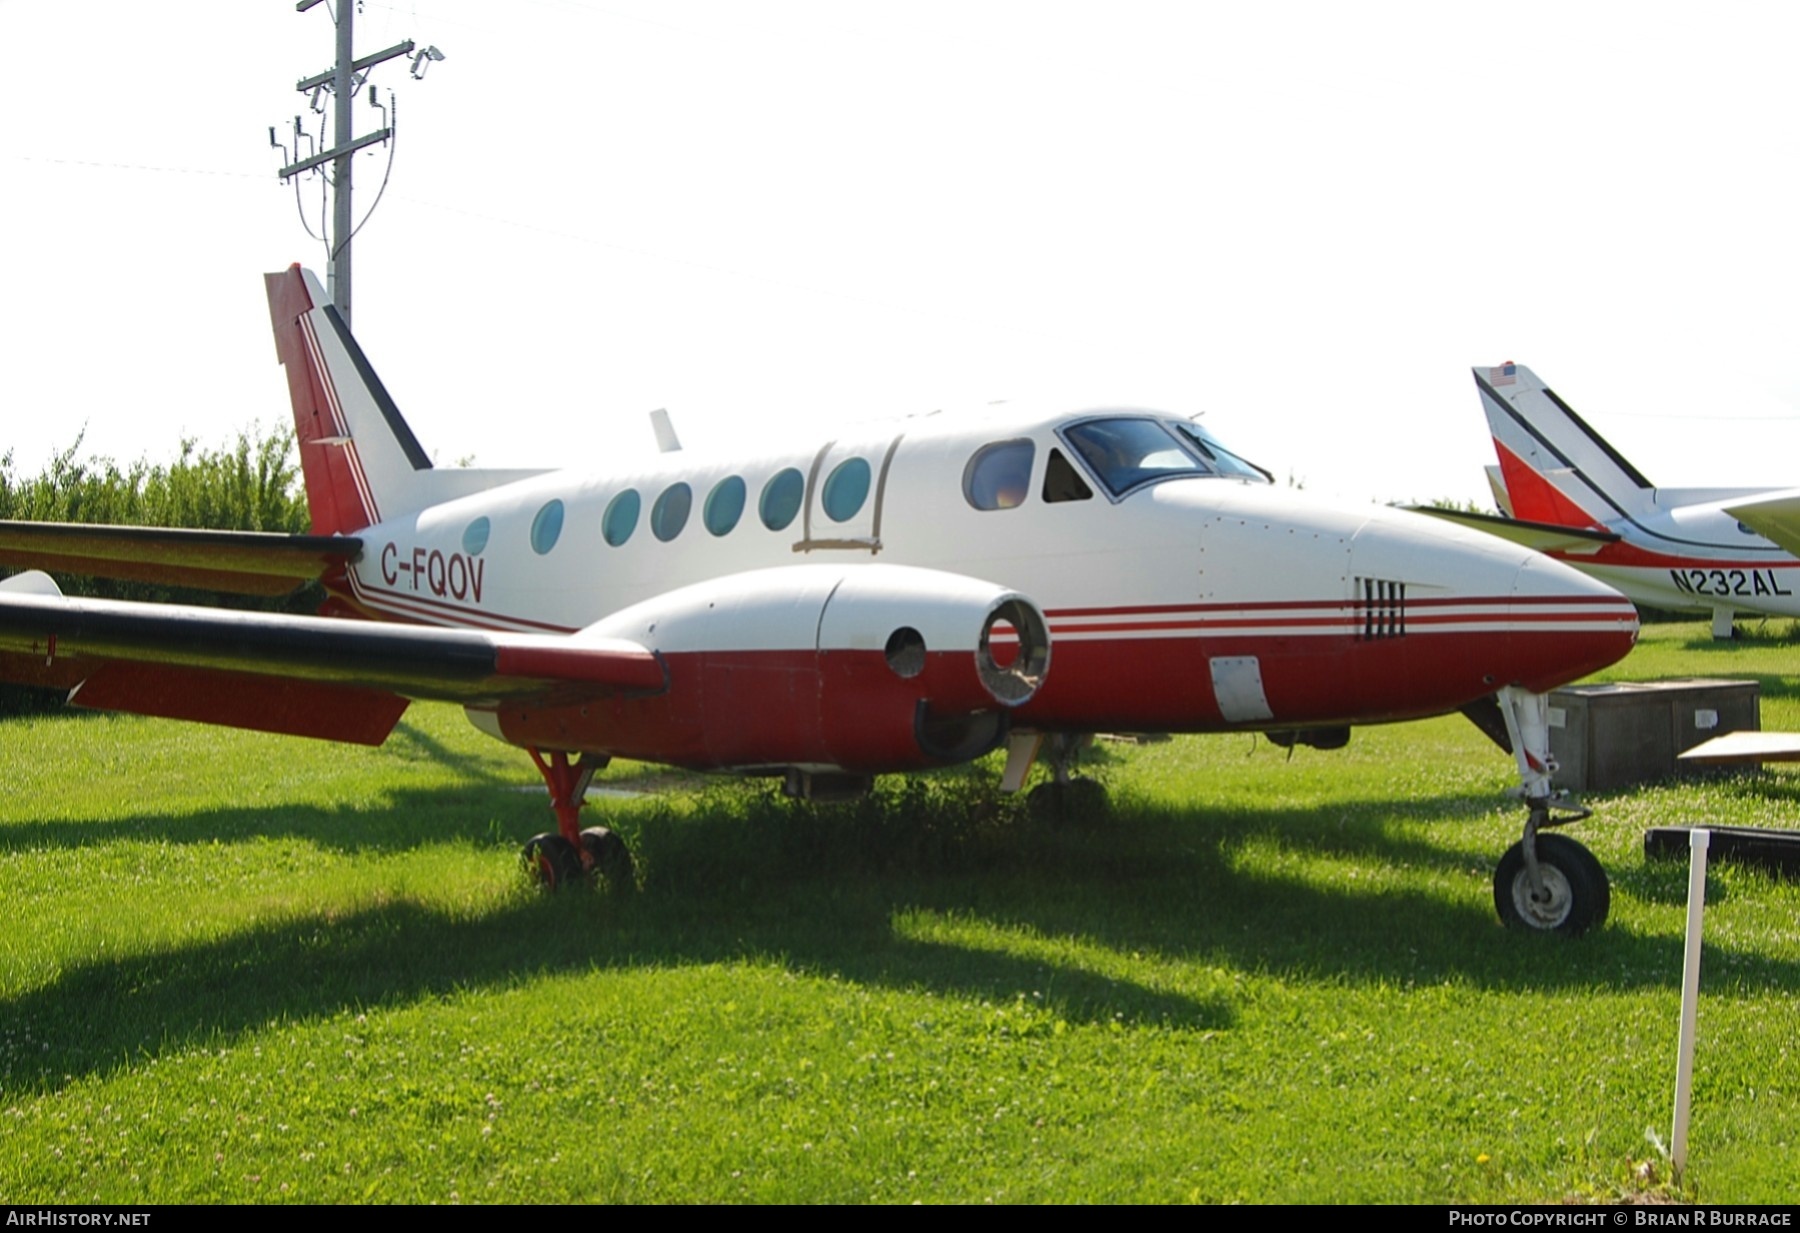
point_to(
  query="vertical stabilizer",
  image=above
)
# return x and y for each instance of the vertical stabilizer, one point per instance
(1556, 469)
(360, 460)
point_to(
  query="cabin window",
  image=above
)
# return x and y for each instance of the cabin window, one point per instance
(724, 505)
(620, 518)
(999, 475)
(1062, 482)
(780, 500)
(546, 528)
(846, 488)
(670, 513)
(475, 536)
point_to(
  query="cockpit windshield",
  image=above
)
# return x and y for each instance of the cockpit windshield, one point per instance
(1227, 462)
(1128, 451)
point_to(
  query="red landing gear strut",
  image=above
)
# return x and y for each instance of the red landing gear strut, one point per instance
(571, 854)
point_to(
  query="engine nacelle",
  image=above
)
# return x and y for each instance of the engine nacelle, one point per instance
(861, 668)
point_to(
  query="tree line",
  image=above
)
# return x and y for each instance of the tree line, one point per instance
(251, 484)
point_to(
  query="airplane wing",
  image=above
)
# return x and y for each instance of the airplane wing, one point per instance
(1773, 515)
(237, 562)
(302, 676)
(1539, 536)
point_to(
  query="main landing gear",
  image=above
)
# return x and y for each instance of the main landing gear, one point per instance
(1066, 797)
(569, 854)
(1545, 882)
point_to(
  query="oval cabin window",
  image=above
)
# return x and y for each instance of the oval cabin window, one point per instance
(546, 528)
(670, 513)
(781, 497)
(846, 488)
(475, 536)
(724, 505)
(620, 519)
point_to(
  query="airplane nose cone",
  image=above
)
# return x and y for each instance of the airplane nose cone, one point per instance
(1458, 614)
(1564, 625)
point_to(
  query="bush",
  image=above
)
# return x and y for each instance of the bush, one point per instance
(252, 485)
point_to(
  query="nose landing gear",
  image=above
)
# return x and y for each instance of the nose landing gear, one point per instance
(1547, 883)
(1550, 882)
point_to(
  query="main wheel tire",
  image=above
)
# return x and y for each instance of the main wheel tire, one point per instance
(1576, 896)
(550, 861)
(610, 860)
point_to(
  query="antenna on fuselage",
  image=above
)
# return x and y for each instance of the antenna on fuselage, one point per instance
(664, 428)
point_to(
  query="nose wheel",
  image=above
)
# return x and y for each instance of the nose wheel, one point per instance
(1567, 893)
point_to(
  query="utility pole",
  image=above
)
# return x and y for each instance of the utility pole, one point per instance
(338, 273)
(342, 81)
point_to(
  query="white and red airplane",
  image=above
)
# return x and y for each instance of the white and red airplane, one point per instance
(1568, 493)
(828, 610)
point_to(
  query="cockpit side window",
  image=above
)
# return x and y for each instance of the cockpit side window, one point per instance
(999, 475)
(1062, 482)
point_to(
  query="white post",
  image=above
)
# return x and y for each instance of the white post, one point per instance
(1698, 840)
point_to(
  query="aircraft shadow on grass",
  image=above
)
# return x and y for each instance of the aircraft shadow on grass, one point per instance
(716, 890)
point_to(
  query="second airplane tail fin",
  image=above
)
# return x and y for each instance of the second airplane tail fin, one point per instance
(356, 452)
(1555, 468)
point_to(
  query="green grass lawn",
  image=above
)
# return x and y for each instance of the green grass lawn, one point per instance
(238, 968)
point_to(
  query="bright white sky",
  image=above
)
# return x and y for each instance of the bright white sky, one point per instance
(1308, 219)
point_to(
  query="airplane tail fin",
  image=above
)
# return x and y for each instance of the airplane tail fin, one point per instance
(1555, 468)
(357, 453)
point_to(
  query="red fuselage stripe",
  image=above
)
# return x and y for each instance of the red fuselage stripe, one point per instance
(1352, 605)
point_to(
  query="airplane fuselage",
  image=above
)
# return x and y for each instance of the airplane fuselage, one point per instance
(1695, 557)
(1181, 595)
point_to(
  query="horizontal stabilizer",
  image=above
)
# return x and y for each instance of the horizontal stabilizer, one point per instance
(308, 676)
(1539, 536)
(235, 562)
(1775, 516)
